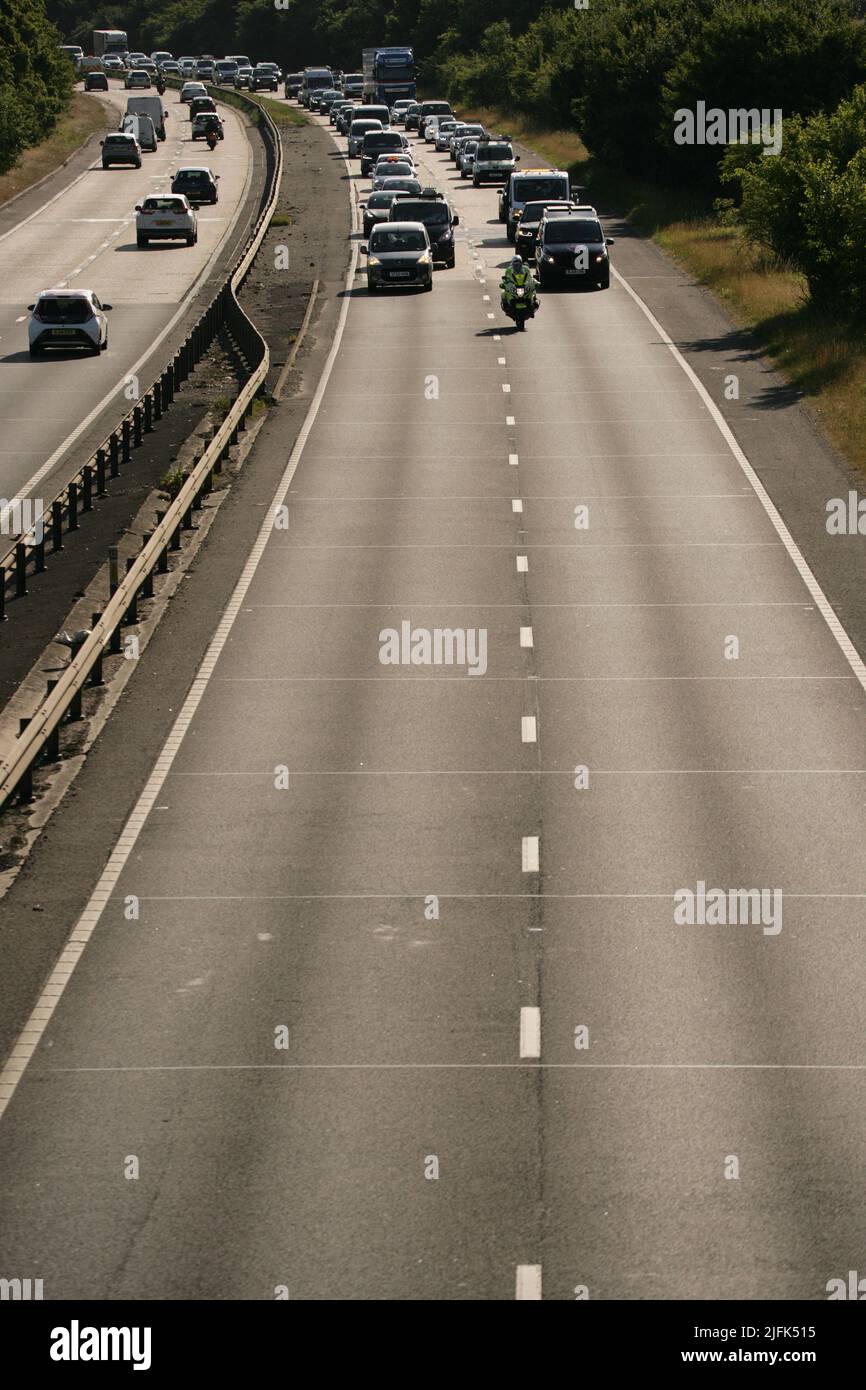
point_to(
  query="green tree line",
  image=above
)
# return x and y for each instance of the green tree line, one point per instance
(35, 78)
(617, 71)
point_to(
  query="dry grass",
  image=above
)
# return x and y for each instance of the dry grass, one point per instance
(825, 360)
(85, 115)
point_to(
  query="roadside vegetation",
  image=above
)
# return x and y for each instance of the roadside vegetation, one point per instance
(85, 117)
(36, 79)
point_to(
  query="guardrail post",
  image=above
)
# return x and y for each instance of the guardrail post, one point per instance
(125, 438)
(39, 554)
(25, 786)
(147, 586)
(175, 373)
(186, 524)
(100, 472)
(96, 673)
(157, 399)
(114, 456)
(20, 570)
(2, 593)
(87, 488)
(136, 425)
(131, 614)
(56, 525)
(75, 707)
(52, 743)
(169, 386)
(148, 413)
(72, 507)
(174, 543)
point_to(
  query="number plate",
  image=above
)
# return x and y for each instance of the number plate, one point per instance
(575, 272)
(400, 274)
(166, 222)
(63, 332)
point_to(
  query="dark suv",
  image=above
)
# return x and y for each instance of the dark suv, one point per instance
(378, 142)
(573, 247)
(529, 222)
(430, 208)
(431, 108)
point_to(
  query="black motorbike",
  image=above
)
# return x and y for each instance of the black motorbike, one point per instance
(211, 139)
(519, 303)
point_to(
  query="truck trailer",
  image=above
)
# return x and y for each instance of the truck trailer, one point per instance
(109, 41)
(389, 75)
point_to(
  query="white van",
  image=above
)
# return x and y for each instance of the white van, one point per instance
(149, 106)
(141, 127)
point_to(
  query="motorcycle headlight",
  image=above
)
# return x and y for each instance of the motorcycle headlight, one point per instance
(373, 260)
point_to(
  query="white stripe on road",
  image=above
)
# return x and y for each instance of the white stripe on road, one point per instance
(528, 1283)
(516, 504)
(513, 460)
(522, 564)
(530, 1032)
(509, 419)
(526, 637)
(529, 854)
(529, 730)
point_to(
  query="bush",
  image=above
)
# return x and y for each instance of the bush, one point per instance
(36, 79)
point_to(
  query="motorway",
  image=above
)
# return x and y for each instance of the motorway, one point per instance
(420, 1024)
(86, 237)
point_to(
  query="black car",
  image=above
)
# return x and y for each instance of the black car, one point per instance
(378, 142)
(431, 108)
(432, 209)
(528, 223)
(377, 209)
(199, 185)
(95, 82)
(413, 112)
(264, 80)
(200, 104)
(573, 247)
(293, 83)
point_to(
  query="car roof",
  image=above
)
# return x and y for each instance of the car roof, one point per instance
(66, 294)
(405, 227)
(194, 169)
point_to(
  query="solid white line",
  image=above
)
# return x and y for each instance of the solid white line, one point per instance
(529, 854)
(31, 1034)
(526, 638)
(528, 1283)
(528, 729)
(530, 1032)
(841, 637)
(522, 564)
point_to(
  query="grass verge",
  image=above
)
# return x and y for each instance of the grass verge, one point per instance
(822, 358)
(85, 115)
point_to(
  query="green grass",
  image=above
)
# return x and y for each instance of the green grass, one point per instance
(822, 357)
(86, 115)
(280, 112)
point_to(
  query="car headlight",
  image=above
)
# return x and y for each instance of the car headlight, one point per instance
(424, 258)
(599, 257)
(550, 260)
(373, 260)
(446, 235)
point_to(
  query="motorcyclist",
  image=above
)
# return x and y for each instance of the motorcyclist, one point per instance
(211, 137)
(160, 84)
(517, 276)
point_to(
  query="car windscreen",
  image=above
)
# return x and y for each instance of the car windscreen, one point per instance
(533, 212)
(495, 152)
(564, 229)
(123, 142)
(384, 240)
(61, 310)
(382, 140)
(431, 214)
(402, 185)
(380, 200)
(436, 108)
(364, 127)
(551, 188)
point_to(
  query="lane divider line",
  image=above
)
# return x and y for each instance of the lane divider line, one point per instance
(530, 1032)
(528, 1283)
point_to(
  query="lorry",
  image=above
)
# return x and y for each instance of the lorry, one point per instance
(315, 80)
(149, 106)
(109, 41)
(389, 75)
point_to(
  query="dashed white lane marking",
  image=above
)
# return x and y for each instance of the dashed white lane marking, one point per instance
(486, 298)
(497, 338)
(501, 361)
(528, 1283)
(530, 1032)
(513, 460)
(517, 504)
(526, 637)
(528, 729)
(490, 316)
(31, 1035)
(823, 604)
(506, 388)
(529, 854)
(509, 419)
(522, 564)
(21, 318)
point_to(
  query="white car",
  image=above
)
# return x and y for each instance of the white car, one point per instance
(431, 125)
(401, 157)
(391, 171)
(398, 112)
(67, 319)
(187, 66)
(112, 62)
(192, 89)
(165, 216)
(444, 132)
(136, 78)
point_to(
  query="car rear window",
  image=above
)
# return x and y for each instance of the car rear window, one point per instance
(386, 239)
(59, 309)
(164, 205)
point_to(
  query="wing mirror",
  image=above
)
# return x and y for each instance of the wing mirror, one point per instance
(517, 159)
(31, 306)
(455, 220)
(108, 306)
(608, 241)
(365, 250)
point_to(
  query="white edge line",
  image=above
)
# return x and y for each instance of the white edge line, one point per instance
(31, 1034)
(823, 604)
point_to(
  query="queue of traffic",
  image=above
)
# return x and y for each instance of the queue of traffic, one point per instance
(408, 225)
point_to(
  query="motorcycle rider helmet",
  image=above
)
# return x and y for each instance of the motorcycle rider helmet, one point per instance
(516, 262)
